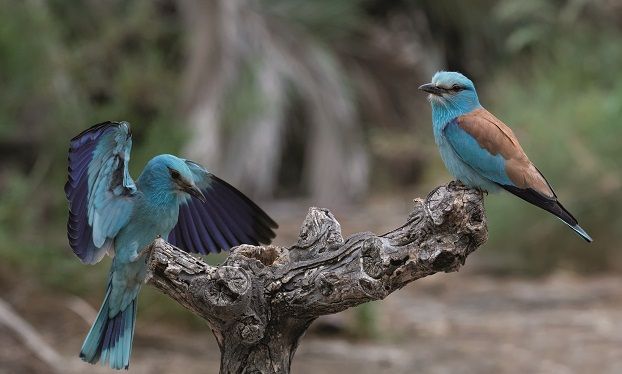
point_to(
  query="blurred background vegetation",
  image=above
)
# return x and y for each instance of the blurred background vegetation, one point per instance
(313, 100)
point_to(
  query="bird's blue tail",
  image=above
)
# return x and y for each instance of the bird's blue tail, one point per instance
(110, 338)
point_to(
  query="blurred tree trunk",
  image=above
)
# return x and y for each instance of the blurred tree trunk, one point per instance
(211, 29)
(254, 155)
(226, 35)
(338, 162)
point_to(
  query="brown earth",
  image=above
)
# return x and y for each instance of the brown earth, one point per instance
(448, 323)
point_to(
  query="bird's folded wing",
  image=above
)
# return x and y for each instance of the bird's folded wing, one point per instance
(490, 147)
(99, 188)
(228, 218)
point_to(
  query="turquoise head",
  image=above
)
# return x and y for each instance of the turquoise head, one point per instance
(451, 95)
(167, 176)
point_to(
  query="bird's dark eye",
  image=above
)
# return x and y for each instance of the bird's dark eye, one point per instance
(456, 87)
(175, 174)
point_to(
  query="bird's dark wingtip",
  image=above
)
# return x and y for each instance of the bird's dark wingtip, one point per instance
(551, 205)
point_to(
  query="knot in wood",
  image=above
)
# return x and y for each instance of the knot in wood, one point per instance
(370, 254)
(440, 204)
(443, 253)
(326, 283)
(226, 287)
(250, 330)
(457, 209)
(444, 260)
(320, 226)
(372, 288)
(270, 255)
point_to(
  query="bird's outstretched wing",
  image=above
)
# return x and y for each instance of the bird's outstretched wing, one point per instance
(99, 188)
(490, 147)
(228, 218)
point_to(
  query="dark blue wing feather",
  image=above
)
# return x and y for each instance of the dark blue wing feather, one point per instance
(98, 188)
(260, 227)
(228, 218)
(207, 222)
(231, 218)
(189, 240)
(202, 230)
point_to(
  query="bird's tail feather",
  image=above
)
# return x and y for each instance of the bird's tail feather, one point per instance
(579, 230)
(110, 338)
(550, 205)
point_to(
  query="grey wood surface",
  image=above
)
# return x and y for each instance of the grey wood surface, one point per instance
(261, 300)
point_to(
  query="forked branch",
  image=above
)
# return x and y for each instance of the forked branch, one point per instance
(261, 300)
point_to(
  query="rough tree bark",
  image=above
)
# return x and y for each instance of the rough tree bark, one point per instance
(261, 300)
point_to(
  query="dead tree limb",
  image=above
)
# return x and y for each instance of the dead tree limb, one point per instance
(261, 300)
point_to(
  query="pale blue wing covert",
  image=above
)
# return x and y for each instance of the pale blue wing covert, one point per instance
(99, 188)
(489, 166)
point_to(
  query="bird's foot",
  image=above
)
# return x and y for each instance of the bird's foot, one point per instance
(145, 252)
(457, 185)
(480, 190)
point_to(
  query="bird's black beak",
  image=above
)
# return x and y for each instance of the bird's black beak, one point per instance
(431, 88)
(195, 191)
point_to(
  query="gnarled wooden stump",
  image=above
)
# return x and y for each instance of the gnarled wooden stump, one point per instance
(261, 300)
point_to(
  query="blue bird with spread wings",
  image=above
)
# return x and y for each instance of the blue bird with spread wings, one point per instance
(481, 151)
(110, 213)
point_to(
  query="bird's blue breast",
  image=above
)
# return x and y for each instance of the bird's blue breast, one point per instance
(150, 219)
(460, 168)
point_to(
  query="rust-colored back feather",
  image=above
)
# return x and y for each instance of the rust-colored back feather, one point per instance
(497, 138)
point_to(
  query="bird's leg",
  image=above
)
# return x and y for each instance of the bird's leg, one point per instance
(457, 185)
(481, 190)
(145, 250)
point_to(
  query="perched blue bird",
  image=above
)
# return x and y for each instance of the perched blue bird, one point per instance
(110, 213)
(481, 151)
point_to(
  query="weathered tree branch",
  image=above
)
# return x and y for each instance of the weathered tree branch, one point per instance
(261, 300)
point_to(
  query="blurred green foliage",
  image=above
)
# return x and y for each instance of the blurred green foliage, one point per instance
(324, 19)
(63, 67)
(365, 324)
(564, 101)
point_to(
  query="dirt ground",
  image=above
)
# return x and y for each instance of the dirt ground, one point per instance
(449, 323)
